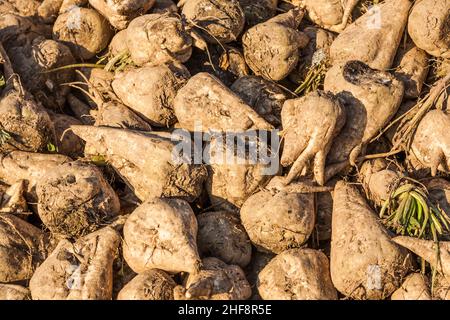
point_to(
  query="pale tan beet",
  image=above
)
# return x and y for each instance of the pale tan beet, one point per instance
(415, 287)
(265, 97)
(78, 271)
(370, 98)
(221, 235)
(205, 100)
(155, 39)
(316, 53)
(150, 91)
(118, 44)
(67, 142)
(215, 281)
(374, 37)
(426, 249)
(276, 221)
(49, 10)
(75, 199)
(14, 292)
(310, 124)
(365, 263)
(84, 31)
(119, 14)
(233, 177)
(412, 68)
(430, 146)
(110, 111)
(329, 14)
(379, 179)
(22, 248)
(297, 274)
(116, 114)
(429, 26)
(149, 285)
(33, 61)
(258, 11)
(31, 167)
(146, 161)
(25, 123)
(218, 20)
(271, 48)
(162, 234)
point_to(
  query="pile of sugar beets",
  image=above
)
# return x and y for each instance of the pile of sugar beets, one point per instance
(97, 200)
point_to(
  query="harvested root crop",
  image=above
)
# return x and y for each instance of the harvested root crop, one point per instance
(415, 287)
(370, 99)
(429, 26)
(215, 281)
(156, 39)
(78, 271)
(258, 11)
(75, 199)
(116, 114)
(357, 235)
(149, 285)
(217, 20)
(119, 14)
(31, 167)
(49, 10)
(331, 15)
(297, 274)
(22, 248)
(310, 124)
(379, 178)
(277, 221)
(374, 37)
(151, 91)
(435, 253)
(84, 31)
(34, 64)
(25, 124)
(430, 147)
(265, 97)
(14, 292)
(148, 162)
(271, 49)
(221, 235)
(162, 234)
(202, 103)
